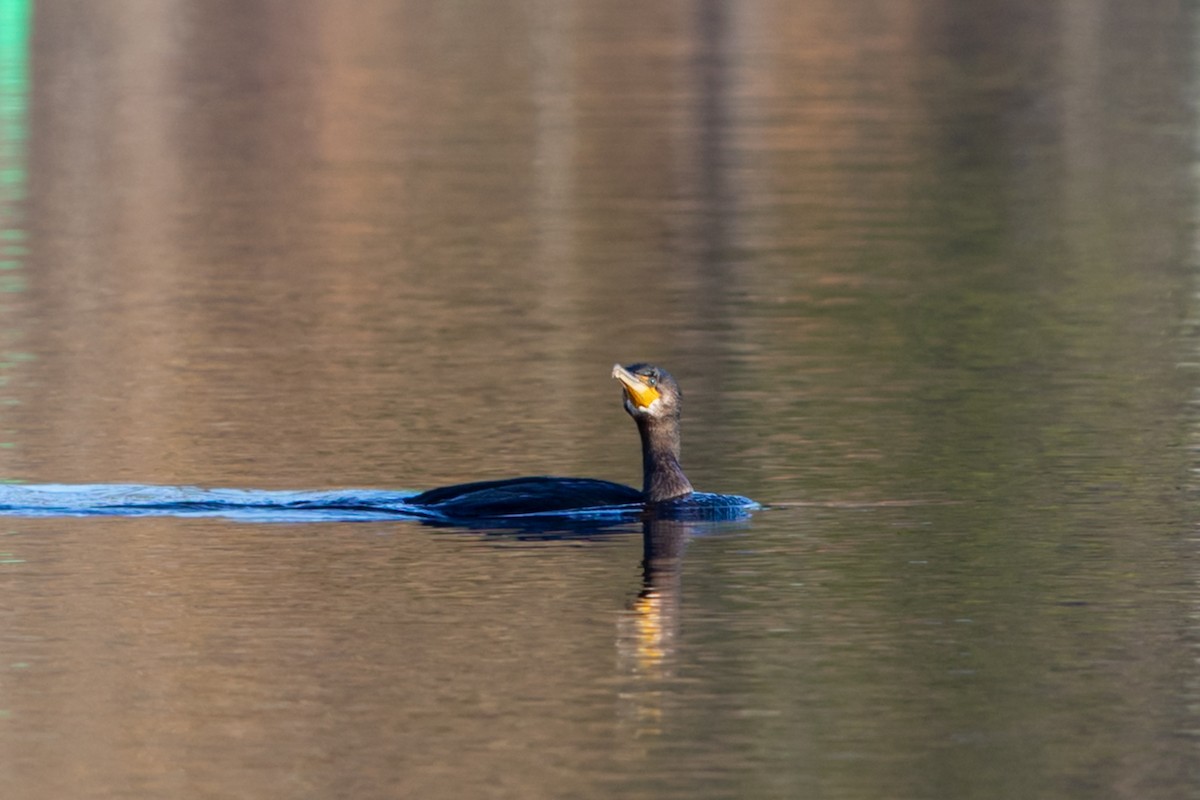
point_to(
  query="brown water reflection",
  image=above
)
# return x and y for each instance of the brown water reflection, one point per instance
(926, 266)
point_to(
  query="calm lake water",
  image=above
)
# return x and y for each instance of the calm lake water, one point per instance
(926, 272)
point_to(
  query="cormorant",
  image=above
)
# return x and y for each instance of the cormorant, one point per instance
(652, 398)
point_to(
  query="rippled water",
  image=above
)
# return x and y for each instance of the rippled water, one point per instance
(925, 271)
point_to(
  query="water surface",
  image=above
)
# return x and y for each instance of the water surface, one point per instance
(925, 272)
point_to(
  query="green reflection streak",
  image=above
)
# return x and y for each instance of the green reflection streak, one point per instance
(14, 93)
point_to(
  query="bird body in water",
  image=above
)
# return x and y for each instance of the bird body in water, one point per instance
(652, 398)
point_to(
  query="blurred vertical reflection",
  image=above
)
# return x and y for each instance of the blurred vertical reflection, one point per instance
(14, 100)
(647, 631)
(14, 90)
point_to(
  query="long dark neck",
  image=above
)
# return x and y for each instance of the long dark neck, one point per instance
(662, 477)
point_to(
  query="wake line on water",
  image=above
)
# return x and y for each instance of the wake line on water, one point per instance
(138, 500)
(248, 505)
(700, 512)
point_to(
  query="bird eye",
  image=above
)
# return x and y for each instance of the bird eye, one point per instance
(652, 380)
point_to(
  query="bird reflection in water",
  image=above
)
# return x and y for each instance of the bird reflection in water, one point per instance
(647, 631)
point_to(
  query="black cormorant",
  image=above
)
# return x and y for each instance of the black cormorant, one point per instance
(652, 398)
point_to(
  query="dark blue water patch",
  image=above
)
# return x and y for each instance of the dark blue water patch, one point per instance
(338, 505)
